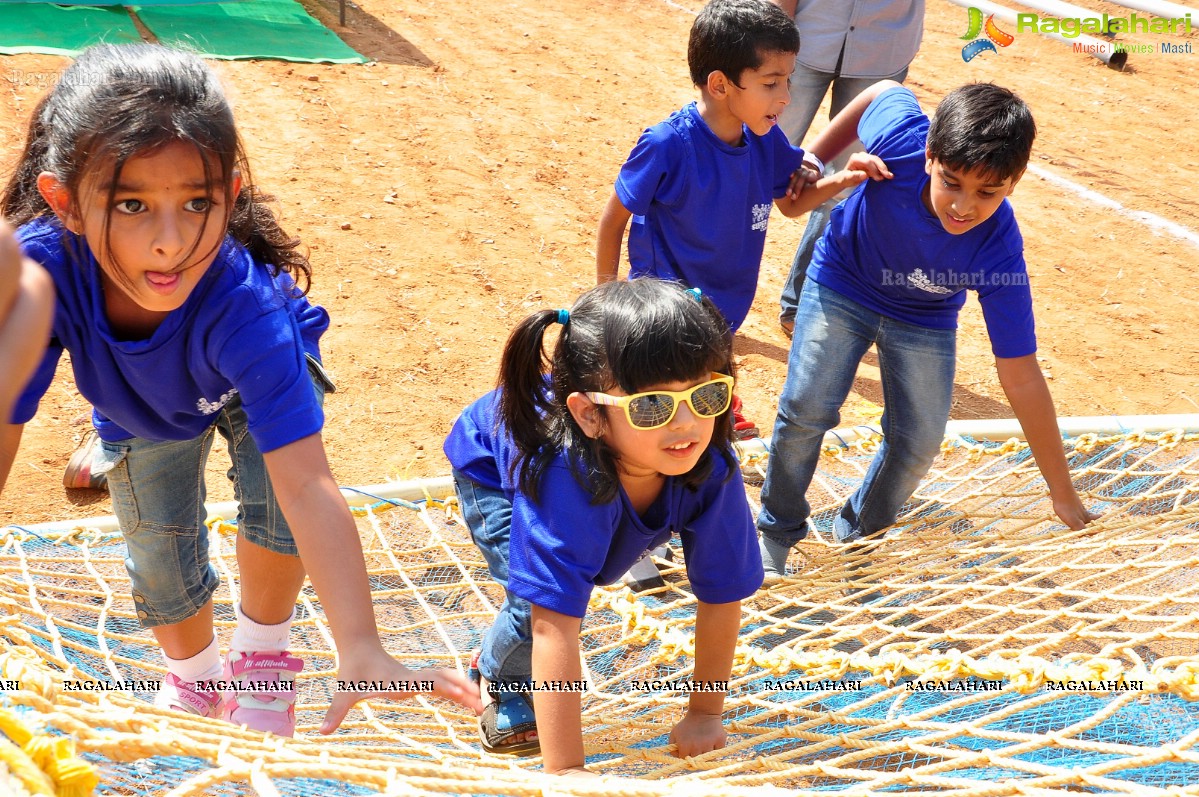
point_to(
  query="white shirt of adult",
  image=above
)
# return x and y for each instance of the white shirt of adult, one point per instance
(878, 37)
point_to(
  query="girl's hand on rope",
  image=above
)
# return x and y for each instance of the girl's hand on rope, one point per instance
(1070, 510)
(378, 675)
(698, 733)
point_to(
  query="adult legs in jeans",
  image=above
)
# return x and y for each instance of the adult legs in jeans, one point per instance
(507, 652)
(917, 367)
(807, 90)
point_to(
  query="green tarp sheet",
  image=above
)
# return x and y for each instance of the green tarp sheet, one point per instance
(43, 28)
(276, 29)
(279, 29)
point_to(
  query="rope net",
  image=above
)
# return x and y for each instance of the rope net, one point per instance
(978, 648)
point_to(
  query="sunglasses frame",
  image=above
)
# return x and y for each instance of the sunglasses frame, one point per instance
(678, 396)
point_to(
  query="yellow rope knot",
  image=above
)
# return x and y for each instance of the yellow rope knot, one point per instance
(58, 771)
(1183, 681)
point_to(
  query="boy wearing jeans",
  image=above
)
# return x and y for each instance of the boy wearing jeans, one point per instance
(891, 270)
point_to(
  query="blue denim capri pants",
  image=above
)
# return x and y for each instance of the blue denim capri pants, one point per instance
(158, 493)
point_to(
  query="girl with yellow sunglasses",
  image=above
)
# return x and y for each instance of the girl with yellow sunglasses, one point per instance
(565, 479)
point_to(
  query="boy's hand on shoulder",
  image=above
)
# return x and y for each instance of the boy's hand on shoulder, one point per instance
(872, 165)
(1070, 510)
(839, 181)
(698, 733)
(377, 675)
(862, 166)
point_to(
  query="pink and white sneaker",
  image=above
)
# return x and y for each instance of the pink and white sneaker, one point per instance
(185, 696)
(260, 690)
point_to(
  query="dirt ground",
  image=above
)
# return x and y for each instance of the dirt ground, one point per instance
(454, 185)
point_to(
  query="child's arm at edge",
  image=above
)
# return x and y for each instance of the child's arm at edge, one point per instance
(1027, 392)
(702, 730)
(26, 313)
(10, 442)
(559, 714)
(328, 543)
(612, 225)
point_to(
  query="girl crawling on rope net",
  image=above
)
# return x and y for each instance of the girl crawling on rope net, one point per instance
(566, 481)
(178, 302)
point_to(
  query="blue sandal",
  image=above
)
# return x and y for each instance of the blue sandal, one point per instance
(509, 714)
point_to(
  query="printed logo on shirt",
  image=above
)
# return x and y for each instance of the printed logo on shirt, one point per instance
(918, 279)
(761, 215)
(944, 282)
(209, 407)
(983, 36)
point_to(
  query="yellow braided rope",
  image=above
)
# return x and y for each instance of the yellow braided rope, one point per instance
(1026, 673)
(52, 758)
(1023, 592)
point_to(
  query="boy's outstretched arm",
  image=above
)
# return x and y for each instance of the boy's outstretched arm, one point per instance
(1029, 396)
(843, 129)
(611, 233)
(329, 547)
(701, 729)
(805, 194)
(559, 714)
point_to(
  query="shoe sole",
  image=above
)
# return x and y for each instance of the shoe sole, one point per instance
(78, 473)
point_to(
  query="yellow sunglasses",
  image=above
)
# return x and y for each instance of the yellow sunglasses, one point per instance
(657, 408)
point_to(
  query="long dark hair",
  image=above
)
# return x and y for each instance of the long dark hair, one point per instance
(629, 334)
(120, 101)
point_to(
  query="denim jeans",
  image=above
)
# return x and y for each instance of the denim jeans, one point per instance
(832, 333)
(808, 88)
(158, 493)
(507, 650)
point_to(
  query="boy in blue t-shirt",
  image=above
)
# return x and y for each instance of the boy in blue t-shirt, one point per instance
(699, 186)
(891, 270)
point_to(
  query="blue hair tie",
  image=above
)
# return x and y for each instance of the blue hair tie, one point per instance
(563, 317)
(697, 293)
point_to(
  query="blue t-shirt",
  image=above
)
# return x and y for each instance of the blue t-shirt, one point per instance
(700, 206)
(564, 545)
(240, 332)
(887, 251)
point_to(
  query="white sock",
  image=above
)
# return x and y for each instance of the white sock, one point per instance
(204, 666)
(252, 636)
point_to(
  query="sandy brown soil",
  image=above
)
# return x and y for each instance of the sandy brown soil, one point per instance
(454, 185)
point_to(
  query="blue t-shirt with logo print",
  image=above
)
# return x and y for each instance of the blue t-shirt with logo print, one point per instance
(700, 206)
(564, 544)
(885, 250)
(240, 332)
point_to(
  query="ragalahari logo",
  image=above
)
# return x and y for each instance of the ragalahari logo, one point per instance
(983, 44)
